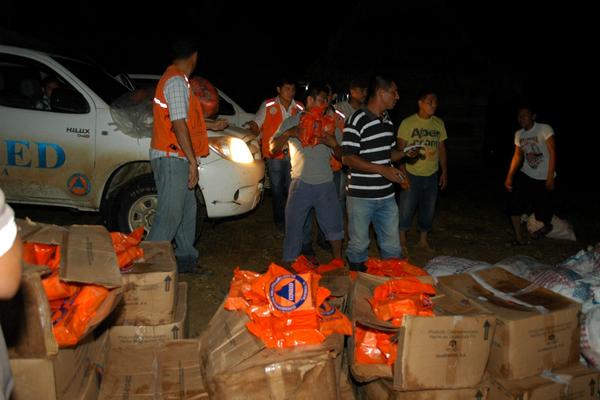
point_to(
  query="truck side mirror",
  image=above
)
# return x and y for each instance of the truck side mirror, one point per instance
(68, 100)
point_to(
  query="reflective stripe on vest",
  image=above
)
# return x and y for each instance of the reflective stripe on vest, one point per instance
(163, 137)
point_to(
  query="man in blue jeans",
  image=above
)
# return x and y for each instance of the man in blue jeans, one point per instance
(179, 140)
(429, 132)
(369, 148)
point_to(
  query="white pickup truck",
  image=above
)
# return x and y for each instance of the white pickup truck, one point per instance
(81, 153)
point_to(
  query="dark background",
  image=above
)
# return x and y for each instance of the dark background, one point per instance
(483, 58)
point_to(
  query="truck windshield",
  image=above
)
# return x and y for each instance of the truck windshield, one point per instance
(104, 85)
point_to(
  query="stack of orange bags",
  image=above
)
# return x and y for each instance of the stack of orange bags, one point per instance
(285, 309)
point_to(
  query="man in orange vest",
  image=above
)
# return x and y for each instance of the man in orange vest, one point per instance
(271, 113)
(179, 140)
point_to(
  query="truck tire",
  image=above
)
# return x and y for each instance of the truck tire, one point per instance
(137, 203)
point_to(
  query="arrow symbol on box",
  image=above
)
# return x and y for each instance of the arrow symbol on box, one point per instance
(486, 330)
(479, 395)
(175, 331)
(168, 283)
(592, 387)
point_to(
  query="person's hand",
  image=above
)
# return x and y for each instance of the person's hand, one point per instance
(550, 184)
(508, 184)
(192, 175)
(219, 124)
(328, 140)
(443, 181)
(392, 174)
(412, 153)
(251, 125)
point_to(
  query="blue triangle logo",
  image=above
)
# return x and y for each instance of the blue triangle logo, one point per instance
(288, 291)
(79, 183)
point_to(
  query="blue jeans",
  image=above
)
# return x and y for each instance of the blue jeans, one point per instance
(279, 175)
(384, 216)
(422, 194)
(303, 197)
(339, 181)
(176, 211)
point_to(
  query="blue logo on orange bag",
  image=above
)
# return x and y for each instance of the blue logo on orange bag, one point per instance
(288, 292)
(326, 309)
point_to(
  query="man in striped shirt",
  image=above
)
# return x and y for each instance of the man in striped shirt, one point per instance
(369, 148)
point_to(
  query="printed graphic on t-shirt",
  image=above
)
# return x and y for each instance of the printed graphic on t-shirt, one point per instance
(533, 154)
(427, 138)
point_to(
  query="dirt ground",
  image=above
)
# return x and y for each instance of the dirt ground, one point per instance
(469, 223)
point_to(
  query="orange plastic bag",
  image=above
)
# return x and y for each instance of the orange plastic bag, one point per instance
(398, 297)
(126, 246)
(373, 346)
(333, 321)
(56, 289)
(207, 94)
(314, 125)
(393, 267)
(70, 323)
(42, 254)
(240, 297)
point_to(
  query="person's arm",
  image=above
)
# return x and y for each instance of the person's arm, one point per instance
(11, 252)
(514, 165)
(388, 172)
(259, 119)
(278, 142)
(182, 134)
(443, 159)
(11, 267)
(551, 143)
(217, 124)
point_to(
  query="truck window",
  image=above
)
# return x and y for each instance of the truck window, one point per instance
(103, 84)
(25, 83)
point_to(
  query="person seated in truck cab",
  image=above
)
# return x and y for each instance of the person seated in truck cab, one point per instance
(49, 83)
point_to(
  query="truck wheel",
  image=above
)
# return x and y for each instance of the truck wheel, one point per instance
(137, 204)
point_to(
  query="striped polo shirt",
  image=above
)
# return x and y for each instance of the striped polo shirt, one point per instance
(372, 138)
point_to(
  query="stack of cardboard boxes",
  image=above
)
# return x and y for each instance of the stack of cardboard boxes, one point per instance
(441, 357)
(535, 349)
(136, 357)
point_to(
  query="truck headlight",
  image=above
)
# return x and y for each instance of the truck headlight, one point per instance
(231, 148)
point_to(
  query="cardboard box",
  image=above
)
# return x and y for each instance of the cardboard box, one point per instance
(382, 389)
(41, 370)
(72, 374)
(131, 335)
(447, 351)
(150, 288)
(159, 370)
(536, 330)
(237, 365)
(576, 382)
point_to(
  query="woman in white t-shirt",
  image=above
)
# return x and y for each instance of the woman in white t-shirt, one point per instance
(534, 184)
(10, 278)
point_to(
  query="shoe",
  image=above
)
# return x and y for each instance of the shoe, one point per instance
(543, 231)
(360, 267)
(324, 244)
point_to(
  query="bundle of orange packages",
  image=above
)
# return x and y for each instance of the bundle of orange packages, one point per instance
(285, 309)
(391, 301)
(399, 297)
(73, 305)
(393, 267)
(374, 346)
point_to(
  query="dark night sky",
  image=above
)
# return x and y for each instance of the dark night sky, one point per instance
(495, 51)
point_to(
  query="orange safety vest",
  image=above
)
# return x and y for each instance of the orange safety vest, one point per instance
(163, 136)
(334, 163)
(273, 119)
